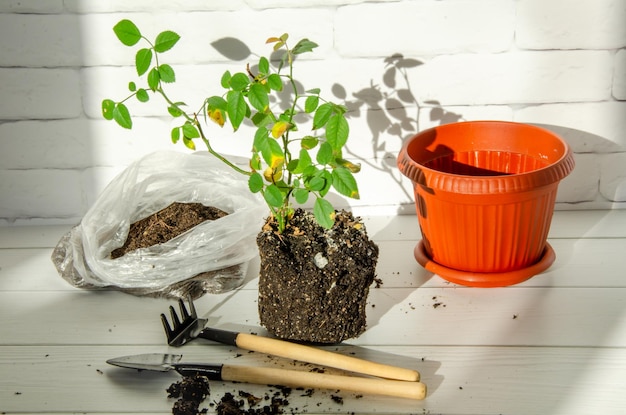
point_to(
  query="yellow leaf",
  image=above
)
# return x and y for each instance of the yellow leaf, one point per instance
(279, 128)
(354, 168)
(189, 143)
(216, 116)
(272, 175)
(276, 161)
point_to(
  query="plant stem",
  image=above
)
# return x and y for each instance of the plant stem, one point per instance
(207, 143)
(214, 153)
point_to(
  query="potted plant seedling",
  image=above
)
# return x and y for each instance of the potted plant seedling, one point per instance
(315, 267)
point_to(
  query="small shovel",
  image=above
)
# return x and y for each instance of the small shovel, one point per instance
(272, 376)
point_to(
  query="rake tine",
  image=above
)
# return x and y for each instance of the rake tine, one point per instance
(183, 310)
(166, 326)
(175, 320)
(192, 308)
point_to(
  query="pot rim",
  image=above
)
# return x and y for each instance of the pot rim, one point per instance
(459, 183)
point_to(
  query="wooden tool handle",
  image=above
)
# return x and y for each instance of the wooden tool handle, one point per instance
(322, 357)
(301, 379)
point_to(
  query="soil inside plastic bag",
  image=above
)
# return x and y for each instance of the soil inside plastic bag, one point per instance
(166, 224)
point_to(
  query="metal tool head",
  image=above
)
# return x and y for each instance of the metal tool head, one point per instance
(185, 328)
(150, 361)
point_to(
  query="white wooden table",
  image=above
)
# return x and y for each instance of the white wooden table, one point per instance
(555, 344)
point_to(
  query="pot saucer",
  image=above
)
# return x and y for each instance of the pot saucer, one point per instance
(484, 279)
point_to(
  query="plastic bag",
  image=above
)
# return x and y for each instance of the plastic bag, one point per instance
(82, 256)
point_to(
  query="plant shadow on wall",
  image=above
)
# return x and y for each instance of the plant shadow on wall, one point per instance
(392, 111)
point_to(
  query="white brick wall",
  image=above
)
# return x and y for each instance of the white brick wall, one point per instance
(557, 63)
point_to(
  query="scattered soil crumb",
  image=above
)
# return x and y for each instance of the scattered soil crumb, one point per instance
(378, 282)
(229, 405)
(437, 304)
(337, 399)
(190, 392)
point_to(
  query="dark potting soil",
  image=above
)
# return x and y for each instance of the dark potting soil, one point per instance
(191, 391)
(166, 224)
(314, 282)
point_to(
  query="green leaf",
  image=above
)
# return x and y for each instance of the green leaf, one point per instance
(127, 32)
(122, 116)
(255, 162)
(261, 138)
(275, 82)
(324, 154)
(225, 80)
(311, 103)
(143, 59)
(257, 95)
(237, 108)
(142, 95)
(322, 115)
(344, 182)
(174, 111)
(166, 72)
(337, 130)
(304, 161)
(264, 65)
(165, 41)
(313, 91)
(309, 142)
(316, 183)
(255, 183)
(216, 102)
(190, 131)
(273, 196)
(301, 195)
(305, 45)
(153, 79)
(108, 106)
(328, 181)
(324, 213)
(132, 87)
(261, 119)
(175, 134)
(239, 81)
(293, 165)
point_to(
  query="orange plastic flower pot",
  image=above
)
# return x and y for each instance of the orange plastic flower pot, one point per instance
(485, 193)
